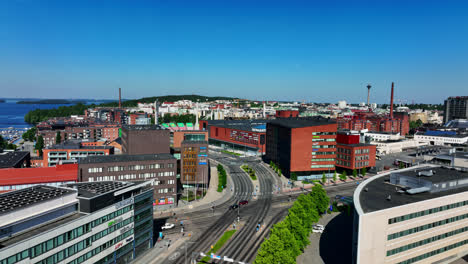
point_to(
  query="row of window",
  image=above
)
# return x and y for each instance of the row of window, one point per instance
(75, 249)
(77, 232)
(363, 157)
(426, 226)
(133, 176)
(323, 140)
(345, 157)
(69, 236)
(324, 146)
(131, 167)
(343, 163)
(344, 150)
(361, 151)
(323, 133)
(434, 252)
(426, 241)
(323, 160)
(322, 166)
(361, 164)
(324, 153)
(165, 190)
(426, 212)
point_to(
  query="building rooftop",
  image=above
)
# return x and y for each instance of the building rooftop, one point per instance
(14, 200)
(374, 193)
(92, 189)
(11, 159)
(21, 176)
(124, 158)
(356, 145)
(76, 145)
(142, 127)
(302, 122)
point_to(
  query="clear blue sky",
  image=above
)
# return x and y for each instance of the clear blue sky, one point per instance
(321, 51)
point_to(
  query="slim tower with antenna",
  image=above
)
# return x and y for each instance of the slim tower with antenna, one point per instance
(368, 94)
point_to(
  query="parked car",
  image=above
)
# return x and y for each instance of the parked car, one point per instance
(317, 230)
(167, 226)
(321, 227)
(243, 202)
(234, 206)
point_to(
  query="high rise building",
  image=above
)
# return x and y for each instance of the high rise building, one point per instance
(145, 139)
(455, 107)
(415, 215)
(304, 146)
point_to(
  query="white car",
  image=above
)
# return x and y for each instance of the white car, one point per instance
(317, 230)
(321, 227)
(167, 226)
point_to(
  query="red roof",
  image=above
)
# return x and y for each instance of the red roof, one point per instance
(18, 176)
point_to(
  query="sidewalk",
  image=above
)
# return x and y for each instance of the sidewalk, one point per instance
(212, 197)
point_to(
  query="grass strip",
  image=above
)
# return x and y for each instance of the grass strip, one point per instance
(226, 236)
(230, 152)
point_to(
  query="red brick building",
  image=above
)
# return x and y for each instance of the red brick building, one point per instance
(287, 113)
(373, 122)
(353, 155)
(244, 135)
(18, 178)
(304, 146)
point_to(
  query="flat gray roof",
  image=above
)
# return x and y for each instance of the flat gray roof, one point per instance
(11, 201)
(302, 122)
(92, 189)
(124, 158)
(379, 189)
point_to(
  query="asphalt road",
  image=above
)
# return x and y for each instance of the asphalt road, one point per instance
(207, 226)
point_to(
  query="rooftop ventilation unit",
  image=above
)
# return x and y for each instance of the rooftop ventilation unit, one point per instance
(427, 173)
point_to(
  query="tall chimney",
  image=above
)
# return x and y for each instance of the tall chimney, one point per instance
(120, 97)
(156, 112)
(368, 94)
(264, 110)
(391, 103)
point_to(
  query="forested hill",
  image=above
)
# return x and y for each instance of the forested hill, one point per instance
(168, 98)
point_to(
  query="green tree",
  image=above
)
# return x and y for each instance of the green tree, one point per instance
(320, 198)
(324, 178)
(271, 164)
(289, 241)
(298, 230)
(308, 204)
(334, 176)
(354, 173)
(3, 143)
(58, 138)
(364, 171)
(272, 251)
(293, 176)
(402, 165)
(30, 135)
(40, 144)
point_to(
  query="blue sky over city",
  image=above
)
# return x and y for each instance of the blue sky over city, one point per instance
(319, 51)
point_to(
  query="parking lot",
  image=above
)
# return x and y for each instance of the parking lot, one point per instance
(333, 245)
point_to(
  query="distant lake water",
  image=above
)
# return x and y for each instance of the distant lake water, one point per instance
(12, 114)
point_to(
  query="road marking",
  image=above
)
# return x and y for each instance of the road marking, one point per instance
(174, 256)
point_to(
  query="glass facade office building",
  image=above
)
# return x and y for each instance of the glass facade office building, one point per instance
(105, 222)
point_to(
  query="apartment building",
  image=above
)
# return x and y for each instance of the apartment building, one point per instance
(99, 222)
(160, 169)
